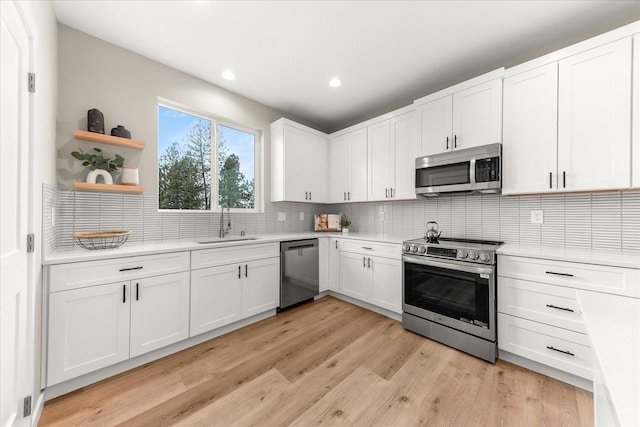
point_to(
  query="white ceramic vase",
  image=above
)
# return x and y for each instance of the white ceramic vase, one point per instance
(130, 176)
(92, 178)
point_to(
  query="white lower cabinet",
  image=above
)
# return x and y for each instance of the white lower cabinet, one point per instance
(334, 264)
(230, 292)
(97, 326)
(372, 278)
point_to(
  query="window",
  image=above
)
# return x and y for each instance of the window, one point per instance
(202, 159)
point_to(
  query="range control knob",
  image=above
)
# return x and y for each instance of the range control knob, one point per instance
(484, 257)
(422, 249)
(473, 255)
(462, 254)
(406, 247)
(414, 248)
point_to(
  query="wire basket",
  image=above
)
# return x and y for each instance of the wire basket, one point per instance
(107, 239)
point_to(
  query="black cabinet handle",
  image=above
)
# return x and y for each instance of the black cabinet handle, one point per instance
(368, 262)
(559, 308)
(305, 195)
(336, 244)
(348, 195)
(550, 347)
(367, 248)
(137, 292)
(550, 180)
(447, 143)
(239, 272)
(132, 268)
(344, 196)
(564, 179)
(386, 193)
(309, 195)
(246, 271)
(391, 191)
(364, 262)
(455, 141)
(559, 274)
(124, 294)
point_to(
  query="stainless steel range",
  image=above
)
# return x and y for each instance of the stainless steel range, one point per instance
(449, 292)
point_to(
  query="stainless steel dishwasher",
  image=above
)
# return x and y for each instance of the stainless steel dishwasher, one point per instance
(299, 278)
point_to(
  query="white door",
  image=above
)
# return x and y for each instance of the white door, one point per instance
(88, 330)
(358, 165)
(216, 297)
(334, 264)
(477, 115)
(339, 172)
(386, 283)
(435, 127)
(378, 154)
(260, 286)
(530, 146)
(316, 165)
(594, 119)
(295, 154)
(159, 312)
(16, 339)
(403, 141)
(354, 276)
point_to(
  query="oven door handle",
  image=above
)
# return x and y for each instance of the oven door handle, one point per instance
(448, 265)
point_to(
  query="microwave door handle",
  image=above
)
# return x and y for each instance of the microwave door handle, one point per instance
(448, 265)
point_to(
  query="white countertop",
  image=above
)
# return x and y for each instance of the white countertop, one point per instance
(135, 249)
(613, 326)
(614, 259)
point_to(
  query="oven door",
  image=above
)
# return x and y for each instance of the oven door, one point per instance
(461, 296)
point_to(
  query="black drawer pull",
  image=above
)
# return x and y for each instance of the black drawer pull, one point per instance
(137, 292)
(559, 274)
(132, 268)
(550, 180)
(124, 294)
(550, 347)
(559, 308)
(246, 271)
(239, 272)
(367, 248)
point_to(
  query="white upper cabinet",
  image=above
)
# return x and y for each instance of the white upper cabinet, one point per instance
(635, 141)
(391, 145)
(594, 118)
(299, 163)
(529, 149)
(567, 124)
(348, 169)
(463, 116)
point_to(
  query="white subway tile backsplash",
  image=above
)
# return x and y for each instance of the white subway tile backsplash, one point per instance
(510, 219)
(530, 234)
(490, 217)
(606, 223)
(552, 206)
(631, 221)
(577, 221)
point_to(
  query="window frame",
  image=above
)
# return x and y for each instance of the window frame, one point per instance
(258, 153)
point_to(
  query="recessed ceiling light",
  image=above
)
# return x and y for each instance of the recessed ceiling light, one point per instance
(335, 82)
(228, 74)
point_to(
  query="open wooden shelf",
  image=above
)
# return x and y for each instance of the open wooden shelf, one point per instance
(108, 139)
(106, 187)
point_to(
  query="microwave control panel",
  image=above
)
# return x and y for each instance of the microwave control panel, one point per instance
(488, 169)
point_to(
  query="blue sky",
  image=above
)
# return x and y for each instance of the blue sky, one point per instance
(175, 126)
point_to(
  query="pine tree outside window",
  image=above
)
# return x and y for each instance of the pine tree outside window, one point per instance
(205, 162)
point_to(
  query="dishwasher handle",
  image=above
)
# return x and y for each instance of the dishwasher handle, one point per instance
(290, 248)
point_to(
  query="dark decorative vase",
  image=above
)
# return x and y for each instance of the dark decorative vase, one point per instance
(95, 121)
(121, 131)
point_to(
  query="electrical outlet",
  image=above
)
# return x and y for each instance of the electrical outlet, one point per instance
(537, 217)
(282, 216)
(301, 216)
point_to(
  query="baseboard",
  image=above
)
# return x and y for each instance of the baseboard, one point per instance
(36, 410)
(371, 307)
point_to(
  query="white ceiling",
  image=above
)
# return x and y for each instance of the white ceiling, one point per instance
(387, 53)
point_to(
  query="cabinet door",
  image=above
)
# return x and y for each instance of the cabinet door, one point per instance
(340, 170)
(354, 275)
(358, 166)
(295, 164)
(159, 312)
(88, 330)
(530, 145)
(477, 115)
(403, 142)
(386, 283)
(594, 119)
(260, 286)
(334, 264)
(216, 297)
(323, 261)
(379, 155)
(316, 169)
(435, 127)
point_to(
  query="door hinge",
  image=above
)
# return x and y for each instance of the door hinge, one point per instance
(31, 242)
(26, 411)
(32, 82)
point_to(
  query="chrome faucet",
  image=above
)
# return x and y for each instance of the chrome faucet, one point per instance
(225, 230)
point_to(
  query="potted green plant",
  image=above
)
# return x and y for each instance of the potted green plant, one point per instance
(345, 222)
(100, 164)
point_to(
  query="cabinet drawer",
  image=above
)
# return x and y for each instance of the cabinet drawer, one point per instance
(231, 254)
(592, 277)
(89, 273)
(537, 341)
(375, 248)
(553, 305)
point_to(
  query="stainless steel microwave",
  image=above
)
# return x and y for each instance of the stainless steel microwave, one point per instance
(469, 170)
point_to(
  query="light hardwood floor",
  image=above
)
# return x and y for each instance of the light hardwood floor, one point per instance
(327, 362)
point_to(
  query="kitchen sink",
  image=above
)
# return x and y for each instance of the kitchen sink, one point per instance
(226, 239)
